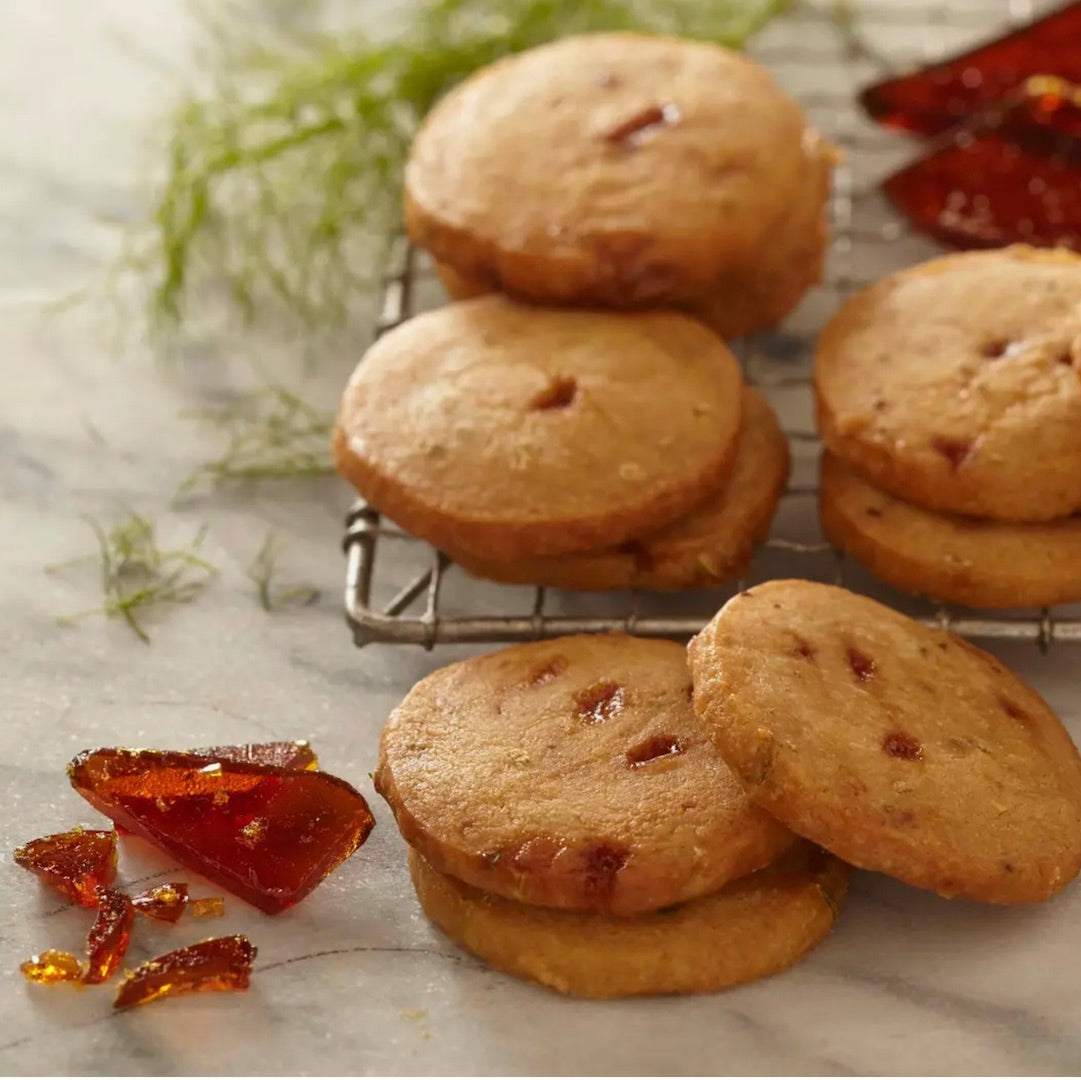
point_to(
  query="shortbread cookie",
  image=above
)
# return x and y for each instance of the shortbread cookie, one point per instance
(897, 747)
(571, 773)
(949, 557)
(752, 928)
(957, 384)
(624, 170)
(714, 543)
(509, 431)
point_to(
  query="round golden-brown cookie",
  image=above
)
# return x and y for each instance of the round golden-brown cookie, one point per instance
(897, 747)
(571, 773)
(510, 431)
(624, 170)
(714, 543)
(754, 927)
(952, 558)
(957, 384)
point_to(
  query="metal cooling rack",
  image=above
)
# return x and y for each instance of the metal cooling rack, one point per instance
(398, 589)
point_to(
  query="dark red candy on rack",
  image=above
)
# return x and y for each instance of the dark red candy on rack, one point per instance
(1013, 177)
(267, 834)
(215, 964)
(163, 902)
(941, 95)
(109, 936)
(75, 863)
(281, 755)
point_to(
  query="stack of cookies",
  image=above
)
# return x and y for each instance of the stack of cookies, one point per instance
(591, 813)
(582, 449)
(603, 441)
(949, 402)
(570, 821)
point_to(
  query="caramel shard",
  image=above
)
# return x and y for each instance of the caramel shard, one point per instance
(280, 755)
(52, 966)
(208, 907)
(215, 964)
(164, 902)
(200, 810)
(75, 863)
(109, 936)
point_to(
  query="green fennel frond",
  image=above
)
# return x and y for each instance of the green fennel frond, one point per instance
(137, 574)
(270, 434)
(283, 182)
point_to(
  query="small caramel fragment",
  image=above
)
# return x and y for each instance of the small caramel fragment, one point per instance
(75, 863)
(199, 809)
(165, 902)
(215, 964)
(208, 907)
(109, 936)
(279, 755)
(52, 966)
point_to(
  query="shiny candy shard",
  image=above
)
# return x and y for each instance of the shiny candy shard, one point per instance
(280, 755)
(163, 902)
(52, 966)
(938, 97)
(75, 863)
(207, 907)
(108, 939)
(215, 964)
(200, 810)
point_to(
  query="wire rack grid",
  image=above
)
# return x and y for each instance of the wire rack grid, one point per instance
(411, 599)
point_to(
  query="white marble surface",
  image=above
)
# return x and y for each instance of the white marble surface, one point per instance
(353, 980)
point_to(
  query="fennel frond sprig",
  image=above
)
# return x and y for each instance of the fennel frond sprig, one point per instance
(137, 574)
(270, 434)
(283, 182)
(262, 571)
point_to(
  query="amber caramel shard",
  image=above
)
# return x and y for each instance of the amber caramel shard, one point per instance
(207, 907)
(164, 902)
(52, 966)
(215, 964)
(942, 95)
(267, 834)
(280, 755)
(109, 936)
(75, 863)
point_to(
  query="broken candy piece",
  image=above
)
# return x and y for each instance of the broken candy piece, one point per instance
(1011, 176)
(937, 97)
(266, 834)
(215, 964)
(109, 936)
(52, 966)
(165, 902)
(209, 907)
(74, 863)
(280, 755)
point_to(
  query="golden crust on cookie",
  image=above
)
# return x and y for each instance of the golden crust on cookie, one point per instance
(624, 170)
(571, 773)
(754, 927)
(510, 431)
(949, 557)
(714, 543)
(897, 747)
(956, 385)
